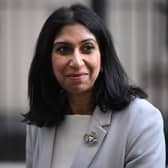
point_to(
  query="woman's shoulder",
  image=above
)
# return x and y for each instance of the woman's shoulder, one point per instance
(34, 129)
(35, 132)
(142, 107)
(143, 112)
(140, 111)
(142, 103)
(31, 128)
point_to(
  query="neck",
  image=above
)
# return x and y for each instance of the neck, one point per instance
(81, 104)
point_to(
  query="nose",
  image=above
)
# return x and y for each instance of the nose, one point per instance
(77, 59)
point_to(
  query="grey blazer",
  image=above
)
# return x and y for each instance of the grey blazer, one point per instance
(132, 138)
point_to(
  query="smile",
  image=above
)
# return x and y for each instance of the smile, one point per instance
(78, 76)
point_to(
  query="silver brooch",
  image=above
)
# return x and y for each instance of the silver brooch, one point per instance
(91, 138)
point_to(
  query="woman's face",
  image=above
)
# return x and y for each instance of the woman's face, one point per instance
(76, 59)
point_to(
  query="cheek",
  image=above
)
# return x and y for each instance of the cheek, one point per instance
(97, 63)
(99, 60)
(57, 63)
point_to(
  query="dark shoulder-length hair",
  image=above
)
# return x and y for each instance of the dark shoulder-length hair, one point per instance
(47, 100)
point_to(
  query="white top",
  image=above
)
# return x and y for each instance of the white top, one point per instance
(68, 138)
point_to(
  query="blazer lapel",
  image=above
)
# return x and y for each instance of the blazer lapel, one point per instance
(87, 151)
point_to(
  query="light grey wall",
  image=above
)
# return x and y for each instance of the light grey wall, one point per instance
(139, 32)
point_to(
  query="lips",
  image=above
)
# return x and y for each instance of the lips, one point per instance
(76, 76)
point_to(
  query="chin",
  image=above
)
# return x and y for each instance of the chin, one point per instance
(79, 91)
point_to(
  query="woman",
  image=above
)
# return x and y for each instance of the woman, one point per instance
(83, 113)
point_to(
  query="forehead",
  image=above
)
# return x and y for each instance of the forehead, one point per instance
(75, 32)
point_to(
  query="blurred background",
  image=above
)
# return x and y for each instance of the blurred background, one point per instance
(139, 29)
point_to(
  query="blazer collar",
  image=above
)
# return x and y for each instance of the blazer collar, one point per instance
(87, 152)
(103, 119)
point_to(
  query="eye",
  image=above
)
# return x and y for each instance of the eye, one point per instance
(63, 50)
(87, 48)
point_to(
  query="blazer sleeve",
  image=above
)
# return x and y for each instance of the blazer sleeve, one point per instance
(146, 142)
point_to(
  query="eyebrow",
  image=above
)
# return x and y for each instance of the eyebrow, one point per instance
(83, 41)
(89, 39)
